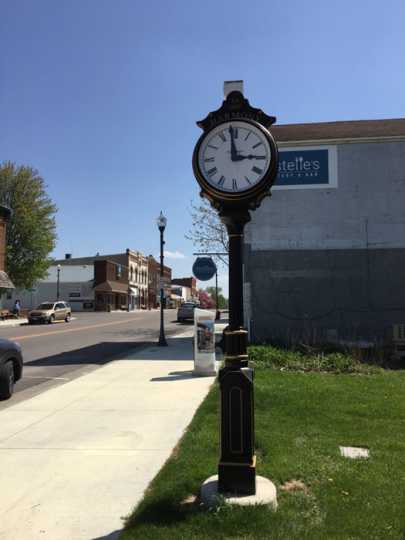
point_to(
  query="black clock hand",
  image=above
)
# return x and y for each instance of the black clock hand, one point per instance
(251, 156)
(234, 152)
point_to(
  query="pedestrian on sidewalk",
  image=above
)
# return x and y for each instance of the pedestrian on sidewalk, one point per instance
(17, 308)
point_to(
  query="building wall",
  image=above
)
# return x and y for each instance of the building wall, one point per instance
(82, 272)
(138, 279)
(189, 282)
(2, 243)
(80, 295)
(317, 260)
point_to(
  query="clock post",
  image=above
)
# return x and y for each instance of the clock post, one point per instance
(235, 162)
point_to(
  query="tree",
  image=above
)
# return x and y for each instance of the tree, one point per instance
(206, 302)
(222, 301)
(208, 232)
(31, 232)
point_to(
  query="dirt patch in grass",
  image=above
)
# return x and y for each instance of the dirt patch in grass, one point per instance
(294, 485)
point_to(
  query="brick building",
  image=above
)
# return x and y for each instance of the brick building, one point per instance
(154, 282)
(5, 282)
(110, 286)
(120, 270)
(189, 282)
(101, 282)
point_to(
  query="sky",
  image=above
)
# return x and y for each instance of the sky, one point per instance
(102, 97)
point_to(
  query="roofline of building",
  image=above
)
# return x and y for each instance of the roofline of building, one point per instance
(349, 140)
(347, 131)
(77, 261)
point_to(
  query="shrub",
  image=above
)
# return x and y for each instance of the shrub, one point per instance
(270, 357)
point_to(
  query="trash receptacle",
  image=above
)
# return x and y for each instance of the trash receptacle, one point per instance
(204, 342)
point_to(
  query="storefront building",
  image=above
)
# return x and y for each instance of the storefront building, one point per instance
(102, 282)
(325, 255)
(6, 285)
(154, 282)
(110, 286)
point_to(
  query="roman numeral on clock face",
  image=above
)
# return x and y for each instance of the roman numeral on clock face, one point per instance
(234, 185)
(257, 144)
(212, 171)
(221, 181)
(257, 170)
(207, 160)
(222, 136)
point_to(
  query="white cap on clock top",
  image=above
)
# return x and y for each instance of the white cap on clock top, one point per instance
(232, 86)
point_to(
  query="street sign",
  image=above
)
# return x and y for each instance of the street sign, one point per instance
(204, 268)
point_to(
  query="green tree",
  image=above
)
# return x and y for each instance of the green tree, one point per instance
(222, 301)
(31, 233)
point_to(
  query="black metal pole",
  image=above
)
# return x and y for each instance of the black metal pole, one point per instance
(235, 280)
(237, 466)
(57, 285)
(162, 339)
(217, 314)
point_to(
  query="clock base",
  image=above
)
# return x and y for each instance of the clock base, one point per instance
(238, 478)
(237, 465)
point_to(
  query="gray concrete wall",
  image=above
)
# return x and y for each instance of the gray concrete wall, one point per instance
(366, 209)
(325, 295)
(326, 263)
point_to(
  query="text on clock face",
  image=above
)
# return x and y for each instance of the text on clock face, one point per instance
(234, 156)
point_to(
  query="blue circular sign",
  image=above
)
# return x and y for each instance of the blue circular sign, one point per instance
(204, 268)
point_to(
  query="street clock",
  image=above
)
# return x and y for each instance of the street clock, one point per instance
(235, 160)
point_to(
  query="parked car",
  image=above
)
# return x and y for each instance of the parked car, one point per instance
(11, 367)
(186, 311)
(50, 312)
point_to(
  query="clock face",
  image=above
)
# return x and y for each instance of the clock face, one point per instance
(234, 156)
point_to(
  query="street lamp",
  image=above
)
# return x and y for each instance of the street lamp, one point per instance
(161, 223)
(58, 282)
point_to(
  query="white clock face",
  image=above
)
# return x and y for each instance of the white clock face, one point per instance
(234, 156)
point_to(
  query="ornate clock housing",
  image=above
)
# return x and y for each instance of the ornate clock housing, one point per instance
(235, 160)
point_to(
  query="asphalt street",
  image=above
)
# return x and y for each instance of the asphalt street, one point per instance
(54, 354)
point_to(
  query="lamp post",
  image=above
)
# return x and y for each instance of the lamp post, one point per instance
(58, 282)
(161, 223)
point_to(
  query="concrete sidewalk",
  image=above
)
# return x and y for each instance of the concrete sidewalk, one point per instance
(13, 322)
(77, 458)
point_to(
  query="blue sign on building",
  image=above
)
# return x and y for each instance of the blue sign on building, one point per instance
(303, 167)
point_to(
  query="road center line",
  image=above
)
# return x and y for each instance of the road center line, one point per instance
(19, 338)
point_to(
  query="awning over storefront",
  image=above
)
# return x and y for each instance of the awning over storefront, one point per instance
(5, 281)
(112, 286)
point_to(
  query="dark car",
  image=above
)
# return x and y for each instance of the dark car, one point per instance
(186, 311)
(11, 367)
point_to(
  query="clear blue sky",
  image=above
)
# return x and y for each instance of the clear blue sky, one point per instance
(102, 96)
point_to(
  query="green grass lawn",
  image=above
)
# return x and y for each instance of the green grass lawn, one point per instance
(301, 419)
